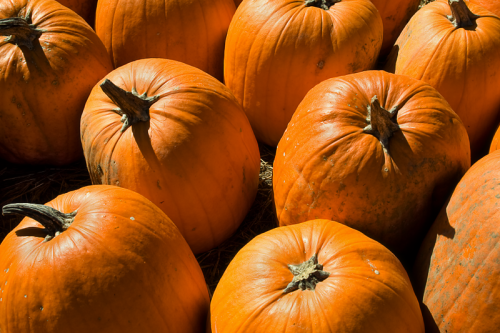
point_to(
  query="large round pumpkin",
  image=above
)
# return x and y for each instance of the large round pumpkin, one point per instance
(84, 8)
(277, 50)
(376, 151)
(456, 49)
(192, 32)
(318, 276)
(395, 15)
(49, 62)
(177, 136)
(101, 259)
(456, 274)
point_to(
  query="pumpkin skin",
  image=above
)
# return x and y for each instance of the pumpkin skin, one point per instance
(431, 49)
(367, 290)
(197, 158)
(192, 32)
(491, 5)
(395, 15)
(44, 89)
(326, 166)
(456, 272)
(121, 266)
(495, 143)
(276, 51)
(84, 8)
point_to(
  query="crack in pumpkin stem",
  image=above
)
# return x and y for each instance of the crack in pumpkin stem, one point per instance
(133, 107)
(461, 16)
(306, 275)
(19, 31)
(323, 4)
(53, 220)
(381, 122)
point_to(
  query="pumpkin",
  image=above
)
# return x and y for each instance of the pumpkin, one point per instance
(491, 5)
(84, 8)
(395, 15)
(496, 141)
(177, 136)
(317, 276)
(456, 272)
(49, 62)
(455, 49)
(276, 51)
(192, 32)
(376, 151)
(99, 259)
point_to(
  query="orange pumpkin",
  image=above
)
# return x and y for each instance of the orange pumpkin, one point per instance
(49, 63)
(376, 151)
(491, 5)
(495, 143)
(100, 259)
(456, 51)
(456, 273)
(177, 136)
(277, 50)
(84, 8)
(395, 15)
(317, 276)
(192, 32)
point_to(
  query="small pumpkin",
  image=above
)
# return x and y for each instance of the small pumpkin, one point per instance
(192, 32)
(276, 51)
(376, 151)
(100, 259)
(49, 62)
(317, 276)
(456, 273)
(454, 47)
(177, 136)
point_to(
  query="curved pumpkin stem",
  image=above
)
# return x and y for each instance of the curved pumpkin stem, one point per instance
(132, 107)
(323, 4)
(20, 31)
(53, 220)
(381, 122)
(461, 16)
(306, 275)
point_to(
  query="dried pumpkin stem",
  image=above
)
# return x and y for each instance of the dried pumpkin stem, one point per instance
(20, 31)
(381, 122)
(306, 275)
(323, 4)
(132, 107)
(461, 16)
(53, 220)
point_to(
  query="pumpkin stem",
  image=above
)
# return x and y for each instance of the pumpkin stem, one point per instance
(381, 122)
(461, 16)
(323, 4)
(306, 275)
(53, 220)
(132, 107)
(20, 31)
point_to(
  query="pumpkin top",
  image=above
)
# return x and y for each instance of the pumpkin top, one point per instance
(362, 274)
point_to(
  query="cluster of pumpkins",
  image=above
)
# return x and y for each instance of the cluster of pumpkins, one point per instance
(372, 171)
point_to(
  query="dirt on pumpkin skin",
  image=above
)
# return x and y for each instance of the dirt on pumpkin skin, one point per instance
(40, 184)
